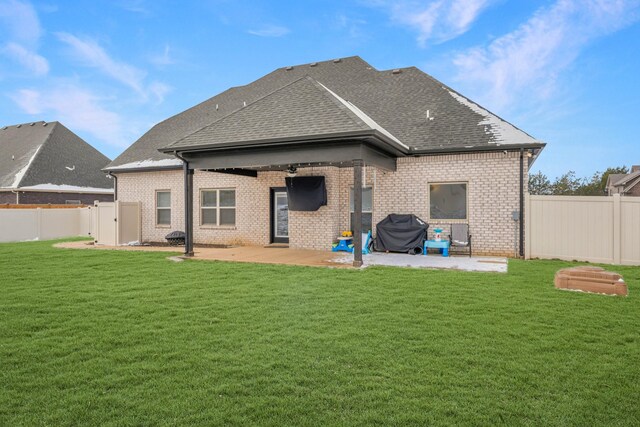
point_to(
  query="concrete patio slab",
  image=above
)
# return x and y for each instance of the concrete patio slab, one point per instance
(255, 254)
(465, 263)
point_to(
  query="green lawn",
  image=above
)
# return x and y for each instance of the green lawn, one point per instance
(129, 338)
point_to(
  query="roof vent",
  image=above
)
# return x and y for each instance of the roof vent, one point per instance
(216, 107)
(19, 126)
(396, 71)
(289, 68)
(335, 61)
(32, 124)
(313, 64)
(244, 103)
(44, 123)
(4, 128)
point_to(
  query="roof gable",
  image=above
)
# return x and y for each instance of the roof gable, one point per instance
(303, 108)
(19, 146)
(49, 154)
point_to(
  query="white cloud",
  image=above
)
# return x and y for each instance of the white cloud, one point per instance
(270, 31)
(135, 6)
(528, 61)
(164, 58)
(77, 108)
(93, 55)
(21, 20)
(159, 90)
(438, 20)
(23, 31)
(352, 26)
(37, 64)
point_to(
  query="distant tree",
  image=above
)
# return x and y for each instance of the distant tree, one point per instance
(570, 185)
(566, 185)
(539, 185)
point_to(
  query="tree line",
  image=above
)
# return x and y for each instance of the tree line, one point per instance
(571, 185)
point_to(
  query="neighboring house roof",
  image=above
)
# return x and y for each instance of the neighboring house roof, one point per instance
(623, 183)
(406, 105)
(626, 178)
(46, 156)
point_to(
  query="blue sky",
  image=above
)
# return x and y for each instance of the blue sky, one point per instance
(565, 71)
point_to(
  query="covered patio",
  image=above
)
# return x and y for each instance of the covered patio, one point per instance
(354, 150)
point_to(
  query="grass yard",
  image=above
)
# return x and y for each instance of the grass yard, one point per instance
(128, 338)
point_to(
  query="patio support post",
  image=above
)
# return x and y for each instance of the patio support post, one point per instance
(188, 209)
(521, 218)
(357, 213)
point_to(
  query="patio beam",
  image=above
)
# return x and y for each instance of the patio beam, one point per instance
(328, 153)
(357, 212)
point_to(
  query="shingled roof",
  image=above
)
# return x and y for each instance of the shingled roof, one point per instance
(325, 98)
(48, 156)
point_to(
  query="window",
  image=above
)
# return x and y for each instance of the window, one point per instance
(218, 207)
(163, 208)
(448, 201)
(367, 208)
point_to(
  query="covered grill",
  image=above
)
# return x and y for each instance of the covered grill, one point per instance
(401, 233)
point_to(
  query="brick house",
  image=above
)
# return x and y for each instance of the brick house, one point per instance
(625, 184)
(395, 141)
(46, 163)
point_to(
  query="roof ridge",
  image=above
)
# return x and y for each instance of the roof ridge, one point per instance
(314, 82)
(350, 106)
(235, 111)
(333, 60)
(335, 98)
(36, 154)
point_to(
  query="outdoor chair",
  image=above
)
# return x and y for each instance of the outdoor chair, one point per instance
(460, 236)
(366, 243)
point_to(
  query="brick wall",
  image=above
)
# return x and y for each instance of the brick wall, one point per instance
(492, 187)
(306, 229)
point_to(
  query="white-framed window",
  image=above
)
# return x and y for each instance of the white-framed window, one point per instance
(448, 201)
(367, 209)
(218, 207)
(163, 207)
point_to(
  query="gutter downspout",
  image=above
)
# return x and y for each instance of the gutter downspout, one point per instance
(521, 220)
(17, 193)
(188, 206)
(115, 185)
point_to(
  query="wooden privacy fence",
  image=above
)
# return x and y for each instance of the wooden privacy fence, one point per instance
(117, 223)
(583, 228)
(41, 224)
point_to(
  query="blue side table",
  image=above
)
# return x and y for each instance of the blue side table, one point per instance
(442, 244)
(343, 244)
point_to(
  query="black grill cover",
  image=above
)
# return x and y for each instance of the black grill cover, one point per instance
(306, 193)
(400, 233)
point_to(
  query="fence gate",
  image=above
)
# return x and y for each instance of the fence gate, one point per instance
(583, 228)
(117, 223)
(104, 223)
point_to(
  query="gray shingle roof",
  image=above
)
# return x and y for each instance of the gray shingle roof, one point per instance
(302, 108)
(623, 179)
(41, 153)
(397, 101)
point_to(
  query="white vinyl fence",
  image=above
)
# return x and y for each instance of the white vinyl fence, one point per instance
(117, 223)
(582, 228)
(18, 225)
